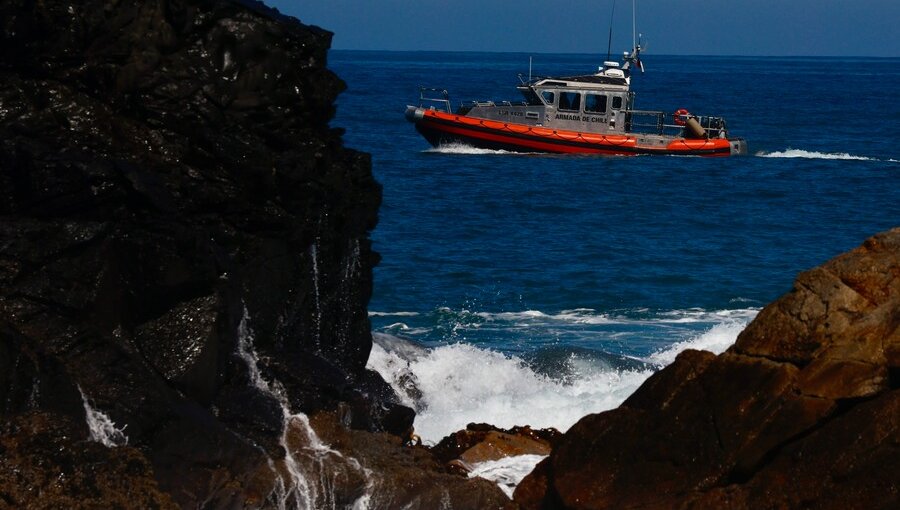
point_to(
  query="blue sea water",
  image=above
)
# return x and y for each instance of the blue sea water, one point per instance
(538, 288)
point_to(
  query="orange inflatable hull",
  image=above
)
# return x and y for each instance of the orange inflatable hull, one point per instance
(440, 128)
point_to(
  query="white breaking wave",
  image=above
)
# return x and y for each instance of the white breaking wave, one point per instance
(506, 472)
(592, 317)
(102, 428)
(577, 316)
(457, 384)
(799, 153)
(692, 315)
(461, 148)
(461, 383)
(716, 340)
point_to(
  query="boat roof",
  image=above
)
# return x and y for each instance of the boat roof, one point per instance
(607, 79)
(593, 79)
(590, 81)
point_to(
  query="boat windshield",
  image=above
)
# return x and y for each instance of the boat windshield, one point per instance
(531, 97)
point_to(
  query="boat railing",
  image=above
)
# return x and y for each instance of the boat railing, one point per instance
(466, 106)
(488, 104)
(662, 123)
(473, 104)
(432, 97)
(530, 80)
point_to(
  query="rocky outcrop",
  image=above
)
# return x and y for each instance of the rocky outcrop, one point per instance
(45, 464)
(171, 191)
(802, 412)
(481, 442)
(408, 477)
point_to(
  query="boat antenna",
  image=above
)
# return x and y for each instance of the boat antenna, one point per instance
(633, 25)
(634, 58)
(609, 43)
(529, 69)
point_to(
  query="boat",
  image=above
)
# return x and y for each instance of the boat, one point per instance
(589, 114)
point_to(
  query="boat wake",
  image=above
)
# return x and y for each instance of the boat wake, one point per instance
(461, 148)
(799, 153)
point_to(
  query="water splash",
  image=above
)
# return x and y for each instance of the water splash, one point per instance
(458, 384)
(314, 255)
(292, 488)
(306, 456)
(452, 385)
(349, 290)
(352, 264)
(506, 472)
(716, 340)
(102, 428)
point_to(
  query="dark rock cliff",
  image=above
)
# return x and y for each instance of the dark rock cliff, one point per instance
(167, 172)
(802, 412)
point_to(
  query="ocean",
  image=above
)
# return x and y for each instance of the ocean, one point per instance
(535, 289)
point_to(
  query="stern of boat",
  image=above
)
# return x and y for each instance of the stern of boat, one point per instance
(738, 147)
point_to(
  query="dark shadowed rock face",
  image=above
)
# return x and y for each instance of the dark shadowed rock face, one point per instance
(802, 412)
(167, 171)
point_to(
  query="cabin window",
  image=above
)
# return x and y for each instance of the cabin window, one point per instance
(548, 97)
(570, 101)
(617, 103)
(594, 103)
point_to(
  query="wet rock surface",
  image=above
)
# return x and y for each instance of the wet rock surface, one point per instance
(168, 174)
(481, 442)
(46, 463)
(800, 413)
(408, 476)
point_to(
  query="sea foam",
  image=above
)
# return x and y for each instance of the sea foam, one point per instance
(716, 340)
(456, 384)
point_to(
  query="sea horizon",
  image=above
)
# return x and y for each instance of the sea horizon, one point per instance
(617, 54)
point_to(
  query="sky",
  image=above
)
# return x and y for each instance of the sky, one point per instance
(670, 27)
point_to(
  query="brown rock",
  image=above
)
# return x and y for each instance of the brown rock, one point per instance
(481, 442)
(892, 350)
(531, 493)
(851, 462)
(845, 308)
(497, 445)
(655, 390)
(407, 477)
(44, 463)
(801, 412)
